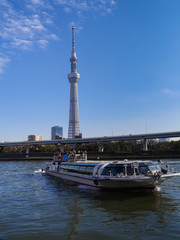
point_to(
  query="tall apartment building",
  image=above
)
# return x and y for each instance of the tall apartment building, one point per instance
(34, 138)
(56, 133)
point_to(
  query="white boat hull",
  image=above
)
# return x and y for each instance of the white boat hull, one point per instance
(109, 183)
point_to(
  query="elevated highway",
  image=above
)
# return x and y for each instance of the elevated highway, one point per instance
(143, 137)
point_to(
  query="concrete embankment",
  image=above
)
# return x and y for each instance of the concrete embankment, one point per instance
(25, 157)
(91, 156)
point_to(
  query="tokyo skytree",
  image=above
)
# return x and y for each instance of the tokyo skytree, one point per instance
(74, 129)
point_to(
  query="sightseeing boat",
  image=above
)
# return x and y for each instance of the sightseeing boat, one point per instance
(110, 174)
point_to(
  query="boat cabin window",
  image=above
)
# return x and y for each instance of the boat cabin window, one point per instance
(130, 170)
(155, 168)
(143, 169)
(81, 169)
(89, 170)
(63, 166)
(149, 167)
(114, 170)
(71, 168)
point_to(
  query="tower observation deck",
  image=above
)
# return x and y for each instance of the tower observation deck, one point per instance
(74, 128)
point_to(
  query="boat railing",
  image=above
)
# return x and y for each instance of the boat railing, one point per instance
(122, 175)
(77, 157)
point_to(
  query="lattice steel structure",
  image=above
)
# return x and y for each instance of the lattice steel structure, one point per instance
(74, 129)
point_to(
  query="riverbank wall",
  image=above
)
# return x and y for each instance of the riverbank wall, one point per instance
(91, 156)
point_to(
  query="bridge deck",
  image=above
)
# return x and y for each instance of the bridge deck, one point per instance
(96, 139)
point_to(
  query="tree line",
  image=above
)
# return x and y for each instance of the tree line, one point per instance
(122, 147)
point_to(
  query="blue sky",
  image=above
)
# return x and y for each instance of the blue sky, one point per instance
(128, 59)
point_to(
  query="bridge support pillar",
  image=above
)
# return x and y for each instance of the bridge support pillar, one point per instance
(145, 144)
(62, 149)
(27, 152)
(100, 148)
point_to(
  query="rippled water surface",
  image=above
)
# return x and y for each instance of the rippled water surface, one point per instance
(34, 206)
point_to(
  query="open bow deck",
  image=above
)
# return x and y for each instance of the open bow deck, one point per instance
(110, 174)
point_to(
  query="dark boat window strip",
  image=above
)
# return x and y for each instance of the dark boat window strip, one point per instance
(121, 170)
(78, 169)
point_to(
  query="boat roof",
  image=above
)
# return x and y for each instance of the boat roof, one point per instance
(94, 163)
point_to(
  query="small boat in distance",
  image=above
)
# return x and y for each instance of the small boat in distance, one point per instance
(126, 174)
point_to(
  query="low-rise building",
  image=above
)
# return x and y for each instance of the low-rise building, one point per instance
(34, 138)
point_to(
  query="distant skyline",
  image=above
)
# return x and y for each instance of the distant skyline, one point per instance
(128, 58)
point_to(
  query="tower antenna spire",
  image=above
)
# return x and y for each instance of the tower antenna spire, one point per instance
(73, 76)
(73, 38)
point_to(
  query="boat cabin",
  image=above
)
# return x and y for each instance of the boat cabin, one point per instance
(111, 169)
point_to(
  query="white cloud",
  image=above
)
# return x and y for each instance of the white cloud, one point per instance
(42, 43)
(18, 27)
(67, 9)
(53, 37)
(113, 2)
(24, 28)
(23, 44)
(170, 92)
(31, 23)
(3, 61)
(40, 2)
(102, 6)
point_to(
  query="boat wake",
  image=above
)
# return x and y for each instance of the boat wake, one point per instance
(39, 171)
(157, 189)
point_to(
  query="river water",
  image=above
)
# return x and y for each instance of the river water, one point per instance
(35, 206)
